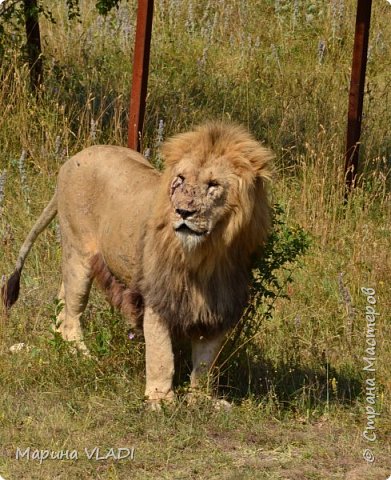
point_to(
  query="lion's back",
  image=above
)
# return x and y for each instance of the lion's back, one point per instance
(105, 195)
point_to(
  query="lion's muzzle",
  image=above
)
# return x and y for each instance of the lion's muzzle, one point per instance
(189, 229)
(188, 234)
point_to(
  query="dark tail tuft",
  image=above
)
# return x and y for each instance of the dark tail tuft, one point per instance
(10, 291)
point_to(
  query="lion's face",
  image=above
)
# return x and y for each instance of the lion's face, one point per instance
(198, 201)
(214, 182)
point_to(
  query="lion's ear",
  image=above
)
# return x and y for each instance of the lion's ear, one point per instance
(261, 158)
(252, 152)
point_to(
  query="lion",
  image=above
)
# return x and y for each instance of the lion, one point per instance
(172, 250)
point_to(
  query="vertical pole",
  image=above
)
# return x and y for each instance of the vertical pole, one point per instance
(33, 43)
(356, 93)
(140, 72)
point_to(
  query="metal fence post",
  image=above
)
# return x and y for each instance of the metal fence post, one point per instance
(356, 93)
(140, 73)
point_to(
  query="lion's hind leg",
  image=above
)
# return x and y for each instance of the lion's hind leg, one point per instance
(204, 354)
(74, 294)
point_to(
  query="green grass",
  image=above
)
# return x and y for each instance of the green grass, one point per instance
(298, 387)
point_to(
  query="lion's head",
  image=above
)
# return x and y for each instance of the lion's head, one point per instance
(215, 178)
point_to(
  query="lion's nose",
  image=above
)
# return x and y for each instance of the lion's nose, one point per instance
(184, 213)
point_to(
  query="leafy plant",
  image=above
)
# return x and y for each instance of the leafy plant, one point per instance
(272, 272)
(103, 340)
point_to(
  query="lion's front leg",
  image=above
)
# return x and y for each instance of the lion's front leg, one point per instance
(159, 359)
(204, 352)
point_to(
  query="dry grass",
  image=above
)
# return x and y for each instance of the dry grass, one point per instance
(303, 411)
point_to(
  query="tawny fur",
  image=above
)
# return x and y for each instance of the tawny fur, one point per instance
(113, 205)
(171, 250)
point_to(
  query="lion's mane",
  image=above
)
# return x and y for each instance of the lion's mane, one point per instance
(205, 293)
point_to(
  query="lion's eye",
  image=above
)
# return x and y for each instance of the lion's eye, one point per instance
(212, 183)
(178, 180)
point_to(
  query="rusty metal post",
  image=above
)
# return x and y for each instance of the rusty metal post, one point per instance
(33, 43)
(140, 73)
(356, 93)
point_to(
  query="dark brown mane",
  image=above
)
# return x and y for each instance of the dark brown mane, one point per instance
(127, 299)
(192, 302)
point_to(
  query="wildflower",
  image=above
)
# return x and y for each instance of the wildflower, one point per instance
(347, 300)
(3, 178)
(147, 153)
(160, 132)
(190, 24)
(93, 129)
(23, 177)
(201, 62)
(57, 146)
(337, 14)
(321, 51)
(295, 12)
(158, 143)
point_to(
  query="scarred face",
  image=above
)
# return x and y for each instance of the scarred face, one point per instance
(198, 199)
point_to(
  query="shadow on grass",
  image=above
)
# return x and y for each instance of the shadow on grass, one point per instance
(287, 385)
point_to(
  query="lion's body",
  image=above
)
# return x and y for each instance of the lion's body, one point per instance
(107, 213)
(172, 250)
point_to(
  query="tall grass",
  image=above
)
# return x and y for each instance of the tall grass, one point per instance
(281, 68)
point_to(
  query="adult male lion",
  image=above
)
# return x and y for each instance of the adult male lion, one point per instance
(171, 250)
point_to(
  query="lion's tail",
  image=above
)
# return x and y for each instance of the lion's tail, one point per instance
(10, 291)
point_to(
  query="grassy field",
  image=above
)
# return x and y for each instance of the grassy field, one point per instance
(299, 388)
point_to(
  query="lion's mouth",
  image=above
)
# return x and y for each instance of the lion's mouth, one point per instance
(183, 228)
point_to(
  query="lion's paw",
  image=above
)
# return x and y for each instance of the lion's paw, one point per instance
(80, 348)
(156, 404)
(194, 398)
(221, 404)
